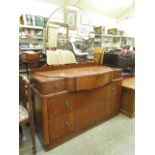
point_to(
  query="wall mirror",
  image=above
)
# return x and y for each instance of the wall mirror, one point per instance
(70, 28)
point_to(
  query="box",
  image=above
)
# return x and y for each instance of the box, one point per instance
(112, 31)
(120, 32)
(99, 29)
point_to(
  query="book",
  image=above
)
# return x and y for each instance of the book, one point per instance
(37, 20)
(21, 20)
(29, 20)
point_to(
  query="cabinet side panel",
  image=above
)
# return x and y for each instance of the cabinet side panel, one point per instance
(41, 118)
(115, 89)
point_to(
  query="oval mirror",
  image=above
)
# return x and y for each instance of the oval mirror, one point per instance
(69, 35)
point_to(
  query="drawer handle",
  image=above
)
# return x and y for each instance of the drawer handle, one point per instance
(56, 86)
(112, 90)
(66, 124)
(126, 91)
(67, 104)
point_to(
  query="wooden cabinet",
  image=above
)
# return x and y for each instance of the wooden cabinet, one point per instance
(79, 105)
(115, 89)
(128, 97)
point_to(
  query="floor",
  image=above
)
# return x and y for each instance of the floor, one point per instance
(113, 137)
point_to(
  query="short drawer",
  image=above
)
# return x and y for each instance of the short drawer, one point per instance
(60, 126)
(51, 87)
(117, 74)
(59, 105)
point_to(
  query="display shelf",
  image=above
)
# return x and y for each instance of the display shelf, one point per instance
(110, 41)
(24, 49)
(31, 27)
(31, 38)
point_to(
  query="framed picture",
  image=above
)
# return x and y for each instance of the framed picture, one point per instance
(82, 32)
(70, 18)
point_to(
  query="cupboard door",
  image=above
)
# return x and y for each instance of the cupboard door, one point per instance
(84, 116)
(128, 101)
(92, 109)
(113, 106)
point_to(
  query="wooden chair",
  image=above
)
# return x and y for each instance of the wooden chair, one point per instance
(26, 109)
(99, 55)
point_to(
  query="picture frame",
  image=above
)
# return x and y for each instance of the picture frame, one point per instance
(70, 18)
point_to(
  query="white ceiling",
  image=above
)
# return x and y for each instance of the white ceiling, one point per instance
(115, 9)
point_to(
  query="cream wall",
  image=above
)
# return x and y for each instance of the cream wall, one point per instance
(35, 8)
(45, 9)
(127, 22)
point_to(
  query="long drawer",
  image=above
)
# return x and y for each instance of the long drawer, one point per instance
(65, 103)
(93, 81)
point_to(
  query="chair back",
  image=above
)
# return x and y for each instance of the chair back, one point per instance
(25, 96)
(26, 108)
(99, 55)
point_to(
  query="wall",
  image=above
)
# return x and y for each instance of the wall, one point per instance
(127, 23)
(44, 9)
(34, 7)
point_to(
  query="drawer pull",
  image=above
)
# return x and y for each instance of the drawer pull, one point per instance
(56, 86)
(112, 90)
(66, 124)
(126, 91)
(67, 104)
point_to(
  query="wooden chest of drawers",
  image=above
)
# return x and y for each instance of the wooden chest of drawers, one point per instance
(70, 99)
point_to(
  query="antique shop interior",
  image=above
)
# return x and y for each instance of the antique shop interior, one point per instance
(77, 77)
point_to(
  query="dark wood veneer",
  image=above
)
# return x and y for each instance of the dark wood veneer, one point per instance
(73, 98)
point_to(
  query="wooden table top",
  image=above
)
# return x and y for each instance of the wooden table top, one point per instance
(129, 83)
(70, 72)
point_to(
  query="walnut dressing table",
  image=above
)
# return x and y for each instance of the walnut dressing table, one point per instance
(70, 99)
